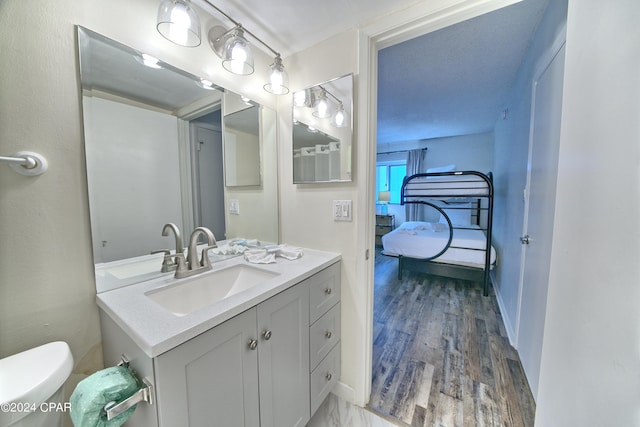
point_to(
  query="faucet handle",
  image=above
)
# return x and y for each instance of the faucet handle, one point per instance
(180, 264)
(204, 260)
(167, 263)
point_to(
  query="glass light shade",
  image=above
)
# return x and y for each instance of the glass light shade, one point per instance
(278, 83)
(340, 118)
(323, 106)
(237, 57)
(179, 23)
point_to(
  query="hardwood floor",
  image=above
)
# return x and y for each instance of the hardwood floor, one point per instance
(441, 356)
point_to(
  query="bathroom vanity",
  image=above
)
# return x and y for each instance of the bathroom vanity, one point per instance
(267, 355)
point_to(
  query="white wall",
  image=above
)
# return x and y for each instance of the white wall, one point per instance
(306, 209)
(590, 373)
(510, 168)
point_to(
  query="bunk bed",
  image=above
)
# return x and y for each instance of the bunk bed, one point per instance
(452, 238)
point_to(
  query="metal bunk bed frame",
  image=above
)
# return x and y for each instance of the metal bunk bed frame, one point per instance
(426, 265)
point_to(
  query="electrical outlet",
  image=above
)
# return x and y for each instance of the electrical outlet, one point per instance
(234, 206)
(342, 210)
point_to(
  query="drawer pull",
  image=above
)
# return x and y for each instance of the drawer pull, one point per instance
(328, 291)
(328, 376)
(253, 344)
(266, 335)
(328, 335)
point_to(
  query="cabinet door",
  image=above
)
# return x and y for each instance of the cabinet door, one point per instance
(283, 353)
(211, 379)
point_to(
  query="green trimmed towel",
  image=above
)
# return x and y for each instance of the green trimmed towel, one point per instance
(94, 392)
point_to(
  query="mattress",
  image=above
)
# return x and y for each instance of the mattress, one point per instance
(424, 240)
(453, 185)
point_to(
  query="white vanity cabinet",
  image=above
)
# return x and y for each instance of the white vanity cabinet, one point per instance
(272, 365)
(252, 370)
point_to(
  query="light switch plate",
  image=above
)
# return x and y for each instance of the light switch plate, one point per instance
(234, 206)
(342, 210)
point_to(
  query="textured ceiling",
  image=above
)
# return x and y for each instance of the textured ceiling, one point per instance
(453, 81)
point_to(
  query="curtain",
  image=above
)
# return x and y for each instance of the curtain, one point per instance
(415, 164)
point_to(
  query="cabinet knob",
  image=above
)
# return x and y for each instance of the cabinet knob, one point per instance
(328, 335)
(328, 291)
(253, 344)
(328, 376)
(266, 335)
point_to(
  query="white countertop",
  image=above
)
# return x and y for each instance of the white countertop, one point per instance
(156, 330)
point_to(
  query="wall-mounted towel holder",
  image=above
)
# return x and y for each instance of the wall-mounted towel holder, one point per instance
(27, 163)
(144, 394)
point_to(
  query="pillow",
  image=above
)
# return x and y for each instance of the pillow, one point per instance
(447, 168)
(460, 217)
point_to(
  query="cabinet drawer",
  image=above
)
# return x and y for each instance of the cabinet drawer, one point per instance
(325, 333)
(383, 220)
(325, 377)
(382, 229)
(324, 291)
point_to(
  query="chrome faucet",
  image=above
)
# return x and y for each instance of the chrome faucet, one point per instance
(175, 261)
(193, 265)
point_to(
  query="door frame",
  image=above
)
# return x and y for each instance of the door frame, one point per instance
(404, 25)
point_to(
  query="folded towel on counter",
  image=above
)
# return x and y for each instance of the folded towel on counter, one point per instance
(289, 252)
(259, 256)
(269, 254)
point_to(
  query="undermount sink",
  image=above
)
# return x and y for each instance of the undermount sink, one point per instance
(186, 297)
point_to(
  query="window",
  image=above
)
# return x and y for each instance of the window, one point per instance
(389, 176)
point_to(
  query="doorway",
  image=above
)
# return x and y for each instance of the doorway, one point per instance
(208, 173)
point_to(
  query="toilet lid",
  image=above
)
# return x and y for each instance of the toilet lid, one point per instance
(34, 375)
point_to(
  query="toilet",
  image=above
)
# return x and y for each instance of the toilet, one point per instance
(33, 379)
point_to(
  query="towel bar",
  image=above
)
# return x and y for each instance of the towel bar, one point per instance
(144, 394)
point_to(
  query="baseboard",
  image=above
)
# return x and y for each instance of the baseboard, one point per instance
(345, 392)
(511, 334)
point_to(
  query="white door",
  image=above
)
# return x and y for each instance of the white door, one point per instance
(540, 199)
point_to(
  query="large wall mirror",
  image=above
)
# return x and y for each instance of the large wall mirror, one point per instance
(323, 132)
(155, 154)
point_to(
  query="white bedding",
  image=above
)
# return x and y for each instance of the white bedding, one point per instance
(425, 239)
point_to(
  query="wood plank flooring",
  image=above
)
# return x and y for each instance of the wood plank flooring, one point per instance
(441, 356)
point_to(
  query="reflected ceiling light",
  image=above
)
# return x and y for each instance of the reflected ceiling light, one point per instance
(323, 106)
(278, 79)
(340, 118)
(148, 60)
(179, 23)
(206, 84)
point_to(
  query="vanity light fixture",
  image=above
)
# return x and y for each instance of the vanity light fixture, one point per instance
(179, 23)
(340, 118)
(278, 79)
(235, 53)
(322, 107)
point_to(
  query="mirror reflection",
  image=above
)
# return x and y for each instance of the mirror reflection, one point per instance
(155, 153)
(323, 132)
